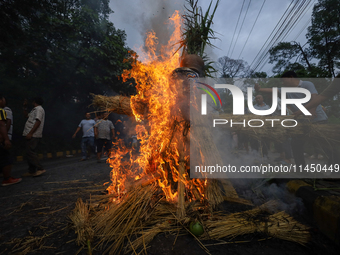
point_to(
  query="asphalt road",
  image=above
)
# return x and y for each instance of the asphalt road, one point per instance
(34, 217)
(38, 207)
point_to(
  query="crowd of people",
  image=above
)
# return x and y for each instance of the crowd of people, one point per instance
(101, 129)
(32, 133)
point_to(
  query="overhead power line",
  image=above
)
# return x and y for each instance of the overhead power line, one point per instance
(303, 28)
(292, 22)
(307, 23)
(239, 32)
(271, 33)
(251, 30)
(277, 34)
(236, 27)
(305, 12)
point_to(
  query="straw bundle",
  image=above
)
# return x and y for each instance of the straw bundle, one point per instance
(80, 217)
(134, 222)
(163, 211)
(120, 221)
(237, 224)
(279, 225)
(205, 150)
(238, 200)
(283, 226)
(118, 104)
(213, 193)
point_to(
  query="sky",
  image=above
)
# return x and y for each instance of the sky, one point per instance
(137, 17)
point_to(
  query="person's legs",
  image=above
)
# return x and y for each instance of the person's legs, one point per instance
(32, 157)
(279, 149)
(328, 149)
(6, 166)
(83, 148)
(297, 149)
(286, 153)
(8, 180)
(91, 143)
(108, 146)
(100, 143)
(6, 170)
(286, 146)
(246, 142)
(31, 168)
(5, 163)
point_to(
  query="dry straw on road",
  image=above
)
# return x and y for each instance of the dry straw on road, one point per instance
(130, 225)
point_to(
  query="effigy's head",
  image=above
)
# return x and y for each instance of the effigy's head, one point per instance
(193, 62)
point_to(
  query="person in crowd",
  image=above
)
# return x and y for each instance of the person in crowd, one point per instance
(33, 130)
(5, 145)
(290, 79)
(9, 125)
(263, 144)
(104, 131)
(9, 122)
(87, 125)
(330, 91)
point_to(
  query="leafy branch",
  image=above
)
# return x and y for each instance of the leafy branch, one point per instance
(197, 32)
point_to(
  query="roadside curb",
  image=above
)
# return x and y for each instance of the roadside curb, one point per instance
(325, 208)
(49, 155)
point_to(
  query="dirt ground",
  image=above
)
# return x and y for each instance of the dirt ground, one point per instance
(34, 217)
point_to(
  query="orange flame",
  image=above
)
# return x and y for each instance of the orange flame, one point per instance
(158, 159)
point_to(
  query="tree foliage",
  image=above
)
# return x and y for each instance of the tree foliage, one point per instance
(62, 50)
(321, 56)
(231, 68)
(324, 34)
(283, 55)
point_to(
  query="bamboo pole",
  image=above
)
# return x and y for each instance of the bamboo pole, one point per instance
(181, 183)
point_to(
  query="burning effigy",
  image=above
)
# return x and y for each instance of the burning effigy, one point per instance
(152, 192)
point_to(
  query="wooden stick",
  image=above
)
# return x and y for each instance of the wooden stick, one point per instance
(181, 184)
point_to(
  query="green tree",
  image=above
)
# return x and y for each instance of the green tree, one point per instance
(231, 68)
(62, 50)
(324, 33)
(288, 53)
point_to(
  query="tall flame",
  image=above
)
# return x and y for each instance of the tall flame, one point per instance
(159, 147)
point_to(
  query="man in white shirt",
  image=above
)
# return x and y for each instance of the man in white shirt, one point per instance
(104, 131)
(33, 133)
(88, 135)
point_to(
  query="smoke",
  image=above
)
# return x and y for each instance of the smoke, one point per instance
(260, 191)
(255, 186)
(139, 17)
(156, 18)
